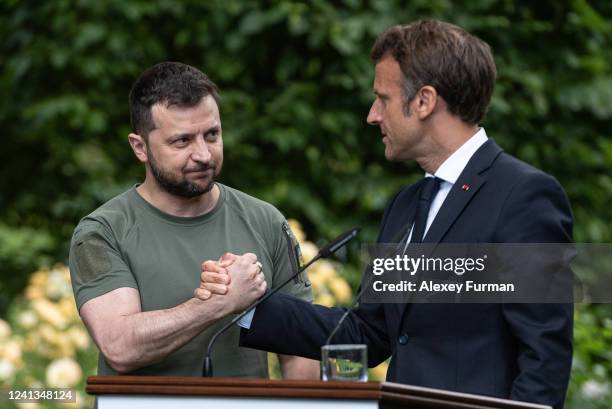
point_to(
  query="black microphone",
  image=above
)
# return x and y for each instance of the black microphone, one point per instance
(339, 242)
(326, 251)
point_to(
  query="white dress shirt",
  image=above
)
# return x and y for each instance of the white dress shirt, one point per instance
(448, 172)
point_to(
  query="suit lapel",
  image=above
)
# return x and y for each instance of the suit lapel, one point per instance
(453, 205)
(405, 224)
(393, 231)
(456, 201)
(465, 188)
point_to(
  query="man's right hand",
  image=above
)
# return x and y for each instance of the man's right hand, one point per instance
(239, 278)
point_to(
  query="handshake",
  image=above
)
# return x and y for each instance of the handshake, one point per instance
(239, 279)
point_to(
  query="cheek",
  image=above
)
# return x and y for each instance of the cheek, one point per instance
(399, 120)
(177, 160)
(217, 152)
(178, 156)
(392, 124)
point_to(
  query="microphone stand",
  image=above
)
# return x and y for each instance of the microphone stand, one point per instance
(357, 298)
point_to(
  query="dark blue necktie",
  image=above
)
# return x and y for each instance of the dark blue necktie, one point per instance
(430, 187)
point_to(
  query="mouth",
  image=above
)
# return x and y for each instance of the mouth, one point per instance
(200, 169)
(200, 172)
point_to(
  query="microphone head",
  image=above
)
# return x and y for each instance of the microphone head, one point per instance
(340, 241)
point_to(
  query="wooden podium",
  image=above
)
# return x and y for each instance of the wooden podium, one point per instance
(160, 392)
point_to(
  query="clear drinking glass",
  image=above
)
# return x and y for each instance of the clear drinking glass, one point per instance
(344, 362)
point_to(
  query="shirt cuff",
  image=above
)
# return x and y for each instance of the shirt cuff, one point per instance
(245, 322)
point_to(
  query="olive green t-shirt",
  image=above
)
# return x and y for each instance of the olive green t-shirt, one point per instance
(129, 243)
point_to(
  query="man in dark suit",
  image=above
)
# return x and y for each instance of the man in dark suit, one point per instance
(433, 83)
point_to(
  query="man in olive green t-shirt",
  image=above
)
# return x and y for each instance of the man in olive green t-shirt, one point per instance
(136, 260)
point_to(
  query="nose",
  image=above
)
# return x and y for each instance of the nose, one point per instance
(374, 117)
(201, 153)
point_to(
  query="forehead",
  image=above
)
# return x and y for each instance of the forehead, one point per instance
(204, 114)
(388, 75)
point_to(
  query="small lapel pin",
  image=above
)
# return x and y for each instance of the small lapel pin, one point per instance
(465, 187)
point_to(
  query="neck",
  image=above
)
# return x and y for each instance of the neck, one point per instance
(445, 137)
(176, 205)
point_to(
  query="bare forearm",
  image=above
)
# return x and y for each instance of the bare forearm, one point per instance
(130, 338)
(144, 338)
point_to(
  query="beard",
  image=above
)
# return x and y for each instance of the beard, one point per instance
(179, 186)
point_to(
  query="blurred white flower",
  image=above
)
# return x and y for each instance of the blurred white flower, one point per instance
(317, 281)
(326, 299)
(326, 269)
(599, 371)
(340, 289)
(296, 228)
(39, 278)
(64, 346)
(63, 373)
(48, 311)
(31, 341)
(79, 337)
(27, 319)
(7, 371)
(11, 351)
(309, 250)
(5, 329)
(593, 389)
(34, 292)
(68, 308)
(57, 285)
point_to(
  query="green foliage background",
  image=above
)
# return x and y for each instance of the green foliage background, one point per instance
(295, 80)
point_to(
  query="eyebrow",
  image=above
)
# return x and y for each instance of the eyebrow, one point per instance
(213, 128)
(380, 94)
(181, 135)
(190, 135)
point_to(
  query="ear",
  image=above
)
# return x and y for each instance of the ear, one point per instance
(426, 100)
(139, 146)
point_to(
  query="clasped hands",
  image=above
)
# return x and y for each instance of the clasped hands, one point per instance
(239, 278)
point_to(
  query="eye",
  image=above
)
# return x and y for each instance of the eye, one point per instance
(212, 135)
(381, 100)
(180, 142)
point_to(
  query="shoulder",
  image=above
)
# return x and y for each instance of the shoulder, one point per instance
(519, 177)
(263, 217)
(112, 218)
(250, 207)
(534, 208)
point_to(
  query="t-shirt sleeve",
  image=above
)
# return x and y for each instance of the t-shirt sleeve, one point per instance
(96, 265)
(287, 259)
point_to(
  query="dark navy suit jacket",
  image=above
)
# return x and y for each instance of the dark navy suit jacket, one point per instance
(516, 351)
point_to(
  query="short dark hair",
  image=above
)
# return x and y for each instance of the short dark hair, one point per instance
(458, 65)
(168, 83)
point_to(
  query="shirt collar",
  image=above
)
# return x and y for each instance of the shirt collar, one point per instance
(452, 167)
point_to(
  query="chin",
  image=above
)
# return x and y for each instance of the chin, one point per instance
(201, 187)
(391, 156)
(209, 187)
